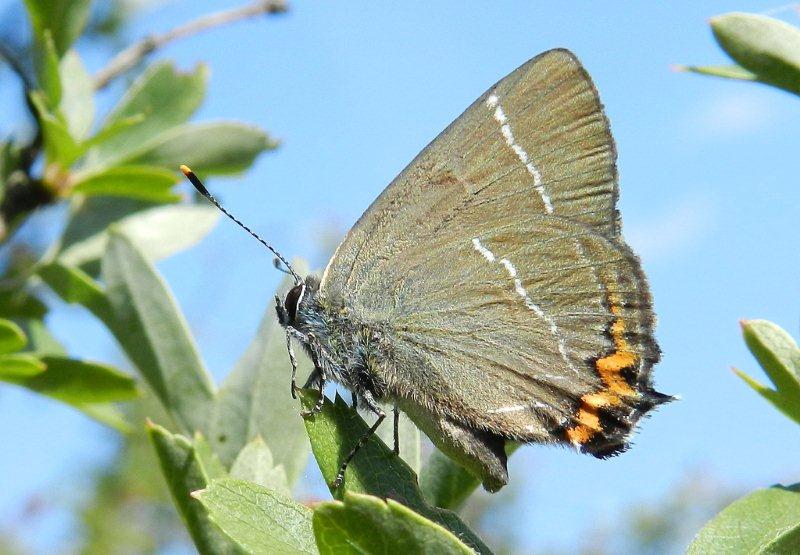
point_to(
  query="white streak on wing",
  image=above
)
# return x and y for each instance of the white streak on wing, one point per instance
(520, 290)
(500, 116)
(512, 271)
(517, 408)
(504, 410)
(487, 254)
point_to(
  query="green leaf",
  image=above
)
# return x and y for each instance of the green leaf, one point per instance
(19, 303)
(42, 341)
(106, 413)
(255, 400)
(767, 47)
(19, 367)
(727, 72)
(375, 469)
(255, 464)
(12, 338)
(766, 521)
(155, 336)
(365, 524)
(159, 232)
(77, 287)
(209, 461)
(779, 356)
(446, 483)
(258, 519)
(165, 97)
(77, 96)
(89, 387)
(59, 145)
(47, 74)
(110, 131)
(208, 148)
(64, 18)
(141, 182)
(76, 382)
(184, 474)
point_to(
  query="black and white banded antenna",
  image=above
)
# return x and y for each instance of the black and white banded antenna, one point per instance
(190, 175)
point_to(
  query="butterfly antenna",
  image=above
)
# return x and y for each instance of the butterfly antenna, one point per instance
(190, 175)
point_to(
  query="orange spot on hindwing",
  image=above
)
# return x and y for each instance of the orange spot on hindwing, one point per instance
(614, 388)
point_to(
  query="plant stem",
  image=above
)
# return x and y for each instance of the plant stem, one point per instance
(132, 55)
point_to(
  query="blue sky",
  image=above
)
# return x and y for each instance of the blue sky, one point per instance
(354, 90)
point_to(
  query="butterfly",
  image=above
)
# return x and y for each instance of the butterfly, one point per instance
(488, 292)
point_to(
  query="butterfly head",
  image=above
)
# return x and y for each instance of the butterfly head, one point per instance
(292, 310)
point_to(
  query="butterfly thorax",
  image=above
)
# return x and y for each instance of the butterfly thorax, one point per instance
(341, 347)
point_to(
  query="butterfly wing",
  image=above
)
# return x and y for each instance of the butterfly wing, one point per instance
(494, 261)
(535, 328)
(537, 139)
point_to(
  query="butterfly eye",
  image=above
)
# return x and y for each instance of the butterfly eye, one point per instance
(292, 301)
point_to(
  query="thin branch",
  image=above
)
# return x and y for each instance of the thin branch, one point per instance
(132, 55)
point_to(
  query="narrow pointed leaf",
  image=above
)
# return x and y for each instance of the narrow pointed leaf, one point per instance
(765, 46)
(208, 148)
(20, 367)
(727, 72)
(60, 146)
(375, 469)
(12, 338)
(767, 521)
(75, 286)
(77, 95)
(364, 524)
(777, 353)
(779, 356)
(77, 382)
(184, 474)
(47, 74)
(155, 335)
(258, 519)
(88, 387)
(140, 182)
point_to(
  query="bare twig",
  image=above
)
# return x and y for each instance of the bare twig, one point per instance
(132, 55)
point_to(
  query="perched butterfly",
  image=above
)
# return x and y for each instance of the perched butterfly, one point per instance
(487, 292)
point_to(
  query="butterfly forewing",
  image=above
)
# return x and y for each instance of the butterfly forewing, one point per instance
(538, 139)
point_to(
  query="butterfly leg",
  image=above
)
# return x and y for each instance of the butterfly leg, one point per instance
(293, 361)
(396, 431)
(373, 406)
